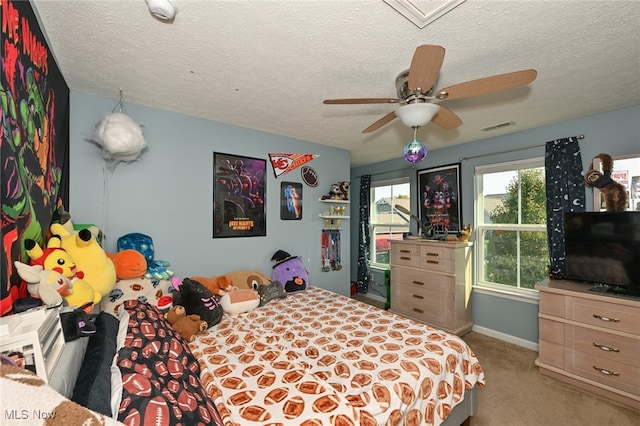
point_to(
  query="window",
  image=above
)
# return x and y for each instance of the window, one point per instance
(386, 221)
(512, 252)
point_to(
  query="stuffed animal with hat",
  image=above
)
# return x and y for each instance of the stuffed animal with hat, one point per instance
(614, 193)
(290, 271)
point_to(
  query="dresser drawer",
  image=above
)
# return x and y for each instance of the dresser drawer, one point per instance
(404, 279)
(603, 314)
(405, 255)
(602, 370)
(428, 306)
(601, 344)
(551, 331)
(551, 304)
(438, 258)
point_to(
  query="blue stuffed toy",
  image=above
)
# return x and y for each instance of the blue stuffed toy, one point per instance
(156, 269)
(290, 271)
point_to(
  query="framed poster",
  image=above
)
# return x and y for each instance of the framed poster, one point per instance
(290, 201)
(239, 188)
(439, 198)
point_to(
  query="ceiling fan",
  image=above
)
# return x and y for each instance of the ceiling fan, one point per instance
(416, 92)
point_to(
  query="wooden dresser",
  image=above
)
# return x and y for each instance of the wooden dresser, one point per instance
(431, 283)
(590, 340)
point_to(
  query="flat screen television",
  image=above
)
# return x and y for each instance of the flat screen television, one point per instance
(603, 248)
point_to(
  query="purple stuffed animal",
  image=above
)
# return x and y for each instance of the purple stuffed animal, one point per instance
(290, 271)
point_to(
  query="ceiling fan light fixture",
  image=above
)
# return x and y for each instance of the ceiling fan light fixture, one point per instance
(417, 115)
(414, 152)
(163, 9)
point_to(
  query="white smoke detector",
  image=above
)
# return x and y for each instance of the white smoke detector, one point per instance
(162, 9)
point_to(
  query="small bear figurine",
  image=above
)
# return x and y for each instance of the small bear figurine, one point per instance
(186, 325)
(344, 189)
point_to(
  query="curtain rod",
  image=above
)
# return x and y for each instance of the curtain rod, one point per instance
(510, 150)
(384, 173)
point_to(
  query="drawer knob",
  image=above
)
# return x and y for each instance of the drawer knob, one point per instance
(417, 296)
(606, 372)
(418, 282)
(605, 319)
(405, 251)
(405, 258)
(605, 348)
(420, 311)
(433, 254)
(434, 262)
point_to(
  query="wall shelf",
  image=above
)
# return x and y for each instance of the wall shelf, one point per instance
(328, 200)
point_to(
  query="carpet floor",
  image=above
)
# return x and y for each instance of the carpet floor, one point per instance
(516, 394)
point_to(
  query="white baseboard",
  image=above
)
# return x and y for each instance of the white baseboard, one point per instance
(506, 337)
(374, 296)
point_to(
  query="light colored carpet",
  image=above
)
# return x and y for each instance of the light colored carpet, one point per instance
(516, 394)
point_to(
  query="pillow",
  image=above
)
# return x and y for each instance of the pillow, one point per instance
(143, 289)
(94, 379)
(158, 369)
(268, 292)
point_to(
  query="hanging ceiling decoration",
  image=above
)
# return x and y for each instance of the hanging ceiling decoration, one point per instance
(119, 136)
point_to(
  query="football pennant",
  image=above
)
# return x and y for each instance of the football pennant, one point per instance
(284, 163)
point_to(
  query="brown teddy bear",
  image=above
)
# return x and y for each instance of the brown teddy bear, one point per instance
(614, 193)
(187, 325)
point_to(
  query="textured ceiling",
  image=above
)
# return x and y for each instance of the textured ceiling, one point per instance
(268, 65)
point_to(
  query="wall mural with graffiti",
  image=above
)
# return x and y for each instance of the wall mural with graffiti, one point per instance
(34, 101)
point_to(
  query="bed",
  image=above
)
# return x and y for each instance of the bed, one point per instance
(318, 358)
(312, 358)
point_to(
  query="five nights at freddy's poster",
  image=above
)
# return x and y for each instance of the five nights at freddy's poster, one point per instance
(239, 196)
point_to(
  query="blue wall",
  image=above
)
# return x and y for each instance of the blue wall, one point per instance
(616, 133)
(167, 192)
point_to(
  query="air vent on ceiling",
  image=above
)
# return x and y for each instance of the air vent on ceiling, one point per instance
(423, 12)
(498, 126)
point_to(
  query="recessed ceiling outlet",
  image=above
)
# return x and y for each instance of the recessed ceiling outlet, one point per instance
(499, 125)
(162, 9)
(423, 12)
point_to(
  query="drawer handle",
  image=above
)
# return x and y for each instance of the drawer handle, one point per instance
(405, 251)
(605, 348)
(605, 319)
(433, 254)
(405, 258)
(434, 262)
(606, 372)
(417, 296)
(420, 311)
(418, 282)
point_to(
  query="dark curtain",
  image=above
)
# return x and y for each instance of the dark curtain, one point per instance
(565, 193)
(364, 239)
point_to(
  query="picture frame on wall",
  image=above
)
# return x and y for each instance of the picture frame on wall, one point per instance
(290, 201)
(239, 188)
(439, 201)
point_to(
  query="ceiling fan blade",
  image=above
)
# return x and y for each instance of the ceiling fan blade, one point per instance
(446, 118)
(361, 101)
(425, 67)
(381, 122)
(488, 85)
